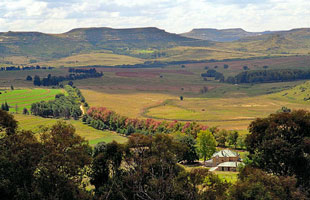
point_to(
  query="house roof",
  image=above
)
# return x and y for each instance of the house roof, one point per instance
(225, 153)
(229, 164)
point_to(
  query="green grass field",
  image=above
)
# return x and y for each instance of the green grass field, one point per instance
(23, 98)
(34, 123)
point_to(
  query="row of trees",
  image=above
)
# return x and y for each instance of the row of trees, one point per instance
(81, 70)
(213, 73)
(66, 106)
(13, 68)
(102, 118)
(60, 165)
(55, 80)
(263, 76)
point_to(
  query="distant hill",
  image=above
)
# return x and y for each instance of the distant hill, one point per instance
(104, 45)
(221, 35)
(296, 41)
(83, 40)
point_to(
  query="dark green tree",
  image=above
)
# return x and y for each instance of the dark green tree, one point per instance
(37, 80)
(189, 143)
(255, 184)
(7, 123)
(28, 78)
(232, 138)
(280, 144)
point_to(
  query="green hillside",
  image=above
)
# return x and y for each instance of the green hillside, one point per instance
(84, 40)
(146, 44)
(296, 41)
(23, 98)
(221, 35)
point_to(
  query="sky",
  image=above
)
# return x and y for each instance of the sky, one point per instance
(176, 16)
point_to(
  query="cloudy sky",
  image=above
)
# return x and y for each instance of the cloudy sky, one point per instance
(55, 16)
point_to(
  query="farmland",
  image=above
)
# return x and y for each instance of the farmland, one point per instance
(230, 113)
(23, 98)
(30, 122)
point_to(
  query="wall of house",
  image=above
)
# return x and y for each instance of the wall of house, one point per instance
(219, 160)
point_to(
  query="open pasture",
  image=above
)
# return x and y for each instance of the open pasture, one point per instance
(95, 58)
(127, 104)
(236, 111)
(18, 78)
(187, 80)
(229, 113)
(236, 66)
(23, 98)
(33, 123)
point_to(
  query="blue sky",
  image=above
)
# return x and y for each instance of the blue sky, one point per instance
(56, 16)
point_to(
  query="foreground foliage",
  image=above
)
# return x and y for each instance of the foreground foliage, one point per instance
(61, 164)
(280, 144)
(52, 168)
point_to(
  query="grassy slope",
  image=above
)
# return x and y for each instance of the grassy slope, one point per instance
(30, 122)
(23, 98)
(108, 59)
(83, 45)
(229, 113)
(238, 112)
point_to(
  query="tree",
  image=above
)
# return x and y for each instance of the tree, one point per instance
(6, 106)
(7, 123)
(232, 138)
(245, 68)
(62, 167)
(28, 78)
(241, 141)
(256, 184)
(206, 144)
(220, 137)
(265, 66)
(50, 168)
(280, 144)
(207, 185)
(20, 154)
(37, 80)
(189, 144)
(106, 171)
(25, 111)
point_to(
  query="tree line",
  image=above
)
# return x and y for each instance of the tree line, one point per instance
(213, 73)
(61, 165)
(101, 118)
(78, 70)
(14, 68)
(265, 76)
(66, 106)
(55, 80)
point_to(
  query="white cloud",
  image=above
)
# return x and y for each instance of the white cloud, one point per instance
(171, 15)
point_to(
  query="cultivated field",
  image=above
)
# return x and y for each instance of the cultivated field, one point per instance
(23, 98)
